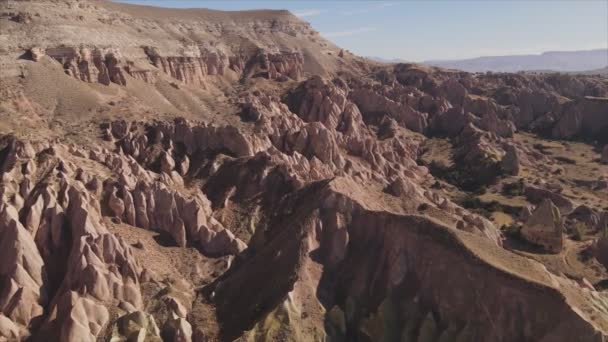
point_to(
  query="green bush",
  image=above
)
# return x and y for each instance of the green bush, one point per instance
(578, 231)
(514, 189)
(512, 230)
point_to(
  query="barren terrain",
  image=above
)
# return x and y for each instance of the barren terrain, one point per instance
(198, 175)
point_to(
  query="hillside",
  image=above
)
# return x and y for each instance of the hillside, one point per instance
(199, 175)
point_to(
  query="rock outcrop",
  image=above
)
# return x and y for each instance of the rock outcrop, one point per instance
(87, 65)
(189, 69)
(510, 163)
(545, 227)
(161, 167)
(284, 64)
(335, 245)
(537, 195)
(601, 249)
(24, 286)
(66, 260)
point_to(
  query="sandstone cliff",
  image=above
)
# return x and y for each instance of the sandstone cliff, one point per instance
(198, 175)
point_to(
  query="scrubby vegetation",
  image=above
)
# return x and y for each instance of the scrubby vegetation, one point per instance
(512, 230)
(514, 189)
(578, 231)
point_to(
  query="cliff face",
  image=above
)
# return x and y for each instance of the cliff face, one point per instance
(99, 66)
(86, 65)
(111, 36)
(281, 65)
(197, 175)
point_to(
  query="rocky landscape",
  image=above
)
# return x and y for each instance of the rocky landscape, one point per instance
(197, 175)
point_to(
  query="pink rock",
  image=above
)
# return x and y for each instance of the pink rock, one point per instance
(167, 164)
(544, 227)
(22, 268)
(96, 66)
(130, 212)
(116, 205)
(8, 329)
(190, 70)
(79, 318)
(184, 165)
(34, 215)
(510, 162)
(37, 53)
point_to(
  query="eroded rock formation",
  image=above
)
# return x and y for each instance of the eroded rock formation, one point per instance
(87, 65)
(189, 69)
(224, 152)
(545, 227)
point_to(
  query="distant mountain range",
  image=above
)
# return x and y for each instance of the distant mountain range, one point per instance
(553, 60)
(388, 60)
(556, 61)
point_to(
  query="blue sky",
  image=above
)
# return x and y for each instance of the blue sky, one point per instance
(423, 30)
